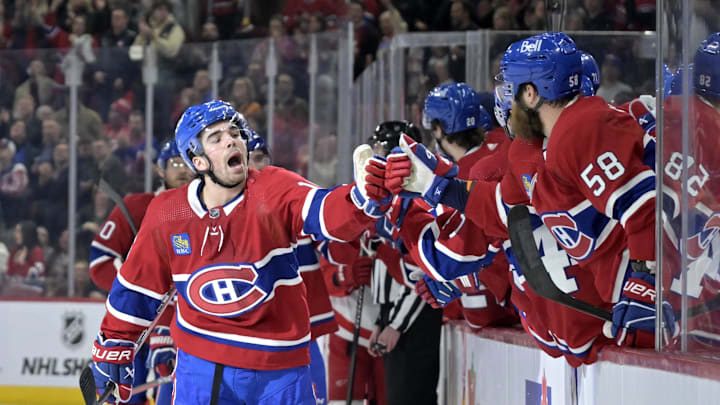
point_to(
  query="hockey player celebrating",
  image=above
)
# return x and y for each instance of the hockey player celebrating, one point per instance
(542, 74)
(226, 241)
(110, 248)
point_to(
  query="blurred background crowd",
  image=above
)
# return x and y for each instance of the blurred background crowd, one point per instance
(37, 38)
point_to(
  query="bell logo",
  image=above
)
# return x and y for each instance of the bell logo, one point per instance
(530, 46)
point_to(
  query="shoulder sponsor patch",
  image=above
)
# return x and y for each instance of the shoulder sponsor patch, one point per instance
(181, 244)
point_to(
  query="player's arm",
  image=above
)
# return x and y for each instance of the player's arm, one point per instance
(141, 283)
(109, 248)
(444, 247)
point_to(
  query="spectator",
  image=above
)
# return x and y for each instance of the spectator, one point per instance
(24, 152)
(38, 85)
(117, 125)
(503, 19)
(366, 37)
(44, 112)
(51, 136)
(82, 42)
(95, 215)
(89, 123)
(391, 23)
(29, 31)
(24, 110)
(597, 18)
(84, 287)
(26, 258)
(13, 184)
(109, 166)
(534, 16)
(417, 13)
(242, 97)
(316, 23)
(461, 16)
(576, 20)
(484, 13)
(114, 71)
(288, 104)
(40, 185)
(57, 267)
(202, 87)
(165, 37)
(611, 84)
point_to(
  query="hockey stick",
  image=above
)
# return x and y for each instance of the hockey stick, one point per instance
(117, 199)
(538, 278)
(87, 380)
(532, 267)
(365, 250)
(355, 344)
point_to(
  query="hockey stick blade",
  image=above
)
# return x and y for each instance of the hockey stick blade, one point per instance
(532, 267)
(88, 388)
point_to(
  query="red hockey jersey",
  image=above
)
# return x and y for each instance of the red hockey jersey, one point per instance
(241, 301)
(114, 239)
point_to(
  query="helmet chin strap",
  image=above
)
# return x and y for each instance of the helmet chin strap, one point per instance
(214, 178)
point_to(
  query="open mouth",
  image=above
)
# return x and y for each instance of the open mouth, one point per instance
(235, 161)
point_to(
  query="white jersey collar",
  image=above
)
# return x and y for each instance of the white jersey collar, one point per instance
(198, 207)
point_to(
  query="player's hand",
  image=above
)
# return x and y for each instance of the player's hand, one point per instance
(633, 316)
(643, 110)
(388, 337)
(113, 361)
(162, 351)
(356, 274)
(420, 172)
(372, 342)
(437, 293)
(368, 193)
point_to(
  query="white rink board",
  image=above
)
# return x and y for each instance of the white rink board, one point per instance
(46, 343)
(488, 370)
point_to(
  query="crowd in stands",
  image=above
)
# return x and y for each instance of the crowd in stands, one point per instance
(40, 38)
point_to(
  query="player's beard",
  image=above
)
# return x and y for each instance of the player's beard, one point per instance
(525, 124)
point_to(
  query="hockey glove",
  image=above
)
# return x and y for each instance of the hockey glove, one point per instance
(437, 293)
(162, 351)
(355, 275)
(643, 110)
(113, 361)
(420, 172)
(633, 316)
(369, 193)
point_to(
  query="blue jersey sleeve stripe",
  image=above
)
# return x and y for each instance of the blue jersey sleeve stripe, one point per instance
(313, 216)
(101, 249)
(622, 198)
(443, 263)
(132, 304)
(306, 255)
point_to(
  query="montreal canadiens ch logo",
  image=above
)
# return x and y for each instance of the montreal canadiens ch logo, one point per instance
(698, 243)
(225, 291)
(566, 232)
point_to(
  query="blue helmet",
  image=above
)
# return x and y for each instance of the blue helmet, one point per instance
(198, 117)
(550, 61)
(706, 67)
(457, 107)
(591, 75)
(256, 142)
(169, 150)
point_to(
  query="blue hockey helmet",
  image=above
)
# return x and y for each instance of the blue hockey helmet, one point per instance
(550, 61)
(456, 107)
(706, 67)
(591, 75)
(169, 150)
(198, 117)
(256, 142)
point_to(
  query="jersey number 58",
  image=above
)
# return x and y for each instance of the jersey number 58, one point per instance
(610, 166)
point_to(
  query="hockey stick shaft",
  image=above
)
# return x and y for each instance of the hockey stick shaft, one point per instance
(117, 199)
(152, 384)
(537, 276)
(531, 265)
(87, 380)
(355, 343)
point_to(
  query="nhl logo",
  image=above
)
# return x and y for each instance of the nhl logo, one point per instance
(73, 328)
(214, 212)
